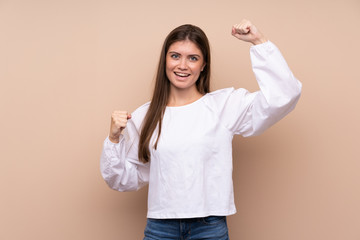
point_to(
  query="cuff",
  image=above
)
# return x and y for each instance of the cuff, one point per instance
(110, 143)
(262, 48)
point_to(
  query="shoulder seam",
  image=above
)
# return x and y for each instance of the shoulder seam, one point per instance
(221, 91)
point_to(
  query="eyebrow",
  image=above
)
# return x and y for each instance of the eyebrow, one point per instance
(191, 55)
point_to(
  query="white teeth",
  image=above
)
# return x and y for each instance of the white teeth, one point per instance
(182, 74)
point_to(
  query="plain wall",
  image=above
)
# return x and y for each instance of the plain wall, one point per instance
(66, 65)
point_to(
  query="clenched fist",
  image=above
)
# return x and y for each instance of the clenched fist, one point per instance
(118, 123)
(247, 32)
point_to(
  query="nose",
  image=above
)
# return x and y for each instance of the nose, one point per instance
(182, 64)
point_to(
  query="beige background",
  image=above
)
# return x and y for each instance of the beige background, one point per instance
(66, 65)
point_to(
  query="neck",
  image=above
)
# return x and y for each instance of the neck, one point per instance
(180, 97)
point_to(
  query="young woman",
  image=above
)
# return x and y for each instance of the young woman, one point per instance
(181, 142)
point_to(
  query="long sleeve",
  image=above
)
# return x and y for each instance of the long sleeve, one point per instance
(279, 89)
(249, 114)
(119, 162)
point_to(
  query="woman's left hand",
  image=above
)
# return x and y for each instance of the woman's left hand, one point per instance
(247, 32)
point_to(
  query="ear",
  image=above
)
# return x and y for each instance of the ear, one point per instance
(202, 68)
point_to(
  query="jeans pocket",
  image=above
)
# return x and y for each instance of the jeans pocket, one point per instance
(211, 220)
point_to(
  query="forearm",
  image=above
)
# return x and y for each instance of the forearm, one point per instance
(276, 80)
(279, 89)
(119, 172)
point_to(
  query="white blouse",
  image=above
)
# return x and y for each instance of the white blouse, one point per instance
(190, 172)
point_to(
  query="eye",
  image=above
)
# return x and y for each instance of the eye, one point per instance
(174, 56)
(193, 58)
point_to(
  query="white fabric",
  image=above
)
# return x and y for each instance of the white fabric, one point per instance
(190, 173)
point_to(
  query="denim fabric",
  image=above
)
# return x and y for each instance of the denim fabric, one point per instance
(212, 227)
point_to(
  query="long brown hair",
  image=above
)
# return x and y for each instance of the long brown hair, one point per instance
(155, 113)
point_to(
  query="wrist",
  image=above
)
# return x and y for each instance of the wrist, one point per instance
(259, 41)
(114, 139)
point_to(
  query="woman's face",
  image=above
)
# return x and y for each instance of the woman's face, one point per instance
(184, 63)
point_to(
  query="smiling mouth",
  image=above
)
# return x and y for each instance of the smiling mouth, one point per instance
(182, 74)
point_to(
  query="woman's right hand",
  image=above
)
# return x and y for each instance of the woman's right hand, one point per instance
(118, 123)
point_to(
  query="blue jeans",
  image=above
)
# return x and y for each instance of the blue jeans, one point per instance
(212, 227)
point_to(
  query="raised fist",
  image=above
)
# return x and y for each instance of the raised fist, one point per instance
(247, 32)
(118, 123)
